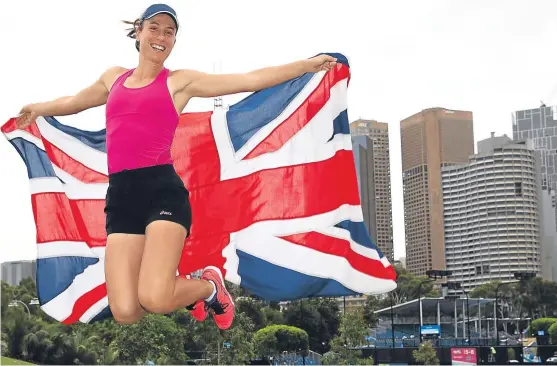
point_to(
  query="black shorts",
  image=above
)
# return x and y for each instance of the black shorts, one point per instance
(137, 197)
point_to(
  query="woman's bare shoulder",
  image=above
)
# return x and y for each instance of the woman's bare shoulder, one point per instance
(112, 74)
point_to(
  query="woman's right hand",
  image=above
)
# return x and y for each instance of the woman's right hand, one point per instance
(27, 116)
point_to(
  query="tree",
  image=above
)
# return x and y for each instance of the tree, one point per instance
(353, 329)
(552, 331)
(16, 323)
(36, 346)
(319, 317)
(426, 354)
(372, 304)
(4, 348)
(272, 316)
(329, 324)
(252, 308)
(541, 324)
(540, 297)
(151, 338)
(533, 298)
(408, 286)
(352, 333)
(239, 340)
(7, 296)
(275, 339)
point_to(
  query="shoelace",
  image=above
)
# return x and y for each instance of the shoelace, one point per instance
(193, 307)
(219, 308)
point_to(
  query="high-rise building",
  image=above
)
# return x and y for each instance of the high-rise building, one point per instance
(492, 213)
(430, 140)
(548, 237)
(371, 151)
(540, 125)
(14, 272)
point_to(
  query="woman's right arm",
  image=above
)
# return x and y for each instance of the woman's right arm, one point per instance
(93, 96)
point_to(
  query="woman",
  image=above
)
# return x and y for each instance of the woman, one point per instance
(148, 215)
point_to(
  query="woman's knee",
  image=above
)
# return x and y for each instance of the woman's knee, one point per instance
(126, 313)
(156, 298)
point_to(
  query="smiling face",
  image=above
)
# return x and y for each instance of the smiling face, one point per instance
(156, 37)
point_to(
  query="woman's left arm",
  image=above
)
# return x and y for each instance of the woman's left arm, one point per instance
(199, 84)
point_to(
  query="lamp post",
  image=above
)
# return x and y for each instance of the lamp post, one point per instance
(432, 274)
(392, 321)
(15, 302)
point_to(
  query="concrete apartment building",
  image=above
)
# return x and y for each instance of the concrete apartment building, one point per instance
(492, 218)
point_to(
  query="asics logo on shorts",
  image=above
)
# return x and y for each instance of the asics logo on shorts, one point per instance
(165, 213)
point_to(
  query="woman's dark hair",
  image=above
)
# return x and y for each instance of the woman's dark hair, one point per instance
(131, 31)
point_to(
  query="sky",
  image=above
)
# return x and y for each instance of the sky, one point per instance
(488, 57)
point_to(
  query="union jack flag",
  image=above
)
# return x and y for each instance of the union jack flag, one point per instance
(273, 191)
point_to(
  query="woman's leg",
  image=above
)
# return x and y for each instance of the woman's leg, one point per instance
(160, 290)
(122, 263)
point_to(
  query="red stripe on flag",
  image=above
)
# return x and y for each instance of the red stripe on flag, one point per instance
(11, 126)
(85, 302)
(301, 117)
(341, 248)
(275, 194)
(199, 164)
(58, 218)
(72, 166)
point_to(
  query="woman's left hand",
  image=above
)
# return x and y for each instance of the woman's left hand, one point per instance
(321, 62)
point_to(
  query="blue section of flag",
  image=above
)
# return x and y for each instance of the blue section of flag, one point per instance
(54, 275)
(248, 116)
(93, 139)
(104, 314)
(341, 125)
(341, 59)
(37, 161)
(359, 234)
(274, 283)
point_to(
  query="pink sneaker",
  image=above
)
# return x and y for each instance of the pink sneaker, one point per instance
(199, 310)
(222, 304)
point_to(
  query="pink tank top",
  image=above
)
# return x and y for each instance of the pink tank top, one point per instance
(140, 124)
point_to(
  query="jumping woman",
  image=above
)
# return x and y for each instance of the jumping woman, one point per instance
(148, 215)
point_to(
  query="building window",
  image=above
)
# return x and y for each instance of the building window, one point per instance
(518, 188)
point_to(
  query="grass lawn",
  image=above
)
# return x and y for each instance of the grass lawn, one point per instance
(11, 361)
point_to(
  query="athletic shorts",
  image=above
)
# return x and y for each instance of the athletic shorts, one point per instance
(137, 197)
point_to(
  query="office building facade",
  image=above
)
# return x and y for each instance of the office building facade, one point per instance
(430, 140)
(371, 152)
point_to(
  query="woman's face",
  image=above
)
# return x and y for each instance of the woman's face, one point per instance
(157, 37)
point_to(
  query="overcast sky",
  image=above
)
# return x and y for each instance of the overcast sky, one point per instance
(488, 57)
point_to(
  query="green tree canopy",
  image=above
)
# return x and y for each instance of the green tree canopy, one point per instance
(319, 317)
(275, 339)
(151, 338)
